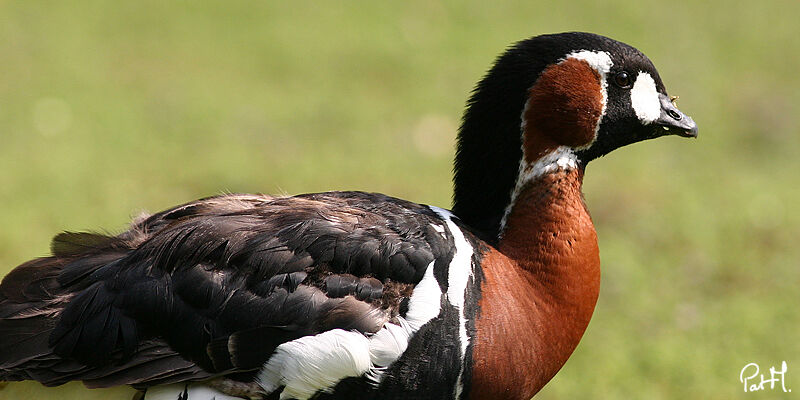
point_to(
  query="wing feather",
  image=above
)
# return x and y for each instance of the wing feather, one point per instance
(223, 281)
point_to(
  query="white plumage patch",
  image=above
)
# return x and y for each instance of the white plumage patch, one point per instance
(459, 272)
(312, 363)
(458, 277)
(562, 158)
(599, 60)
(386, 346)
(194, 391)
(644, 98)
(425, 301)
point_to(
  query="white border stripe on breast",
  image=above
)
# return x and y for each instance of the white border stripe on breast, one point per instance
(458, 276)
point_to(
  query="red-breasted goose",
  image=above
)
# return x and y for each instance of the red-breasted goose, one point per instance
(360, 295)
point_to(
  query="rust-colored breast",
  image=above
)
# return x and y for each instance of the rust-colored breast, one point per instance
(539, 290)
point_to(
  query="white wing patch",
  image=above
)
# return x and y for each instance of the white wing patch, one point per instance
(644, 98)
(311, 363)
(425, 301)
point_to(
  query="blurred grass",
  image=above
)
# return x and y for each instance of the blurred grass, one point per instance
(108, 108)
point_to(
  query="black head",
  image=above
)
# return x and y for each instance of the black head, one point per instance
(637, 106)
(580, 93)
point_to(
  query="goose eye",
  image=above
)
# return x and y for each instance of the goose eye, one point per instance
(623, 80)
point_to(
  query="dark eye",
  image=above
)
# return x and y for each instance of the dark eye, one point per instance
(623, 80)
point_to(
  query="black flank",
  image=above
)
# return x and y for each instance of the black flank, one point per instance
(213, 286)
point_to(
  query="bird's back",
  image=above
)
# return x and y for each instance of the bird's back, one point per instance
(215, 287)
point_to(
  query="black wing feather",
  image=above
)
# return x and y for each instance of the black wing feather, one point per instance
(221, 282)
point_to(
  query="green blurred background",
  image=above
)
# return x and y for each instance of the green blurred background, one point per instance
(110, 108)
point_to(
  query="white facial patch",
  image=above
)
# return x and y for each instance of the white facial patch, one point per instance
(599, 60)
(644, 98)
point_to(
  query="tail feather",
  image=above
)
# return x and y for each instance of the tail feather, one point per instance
(22, 341)
(31, 285)
(30, 299)
(67, 244)
(33, 298)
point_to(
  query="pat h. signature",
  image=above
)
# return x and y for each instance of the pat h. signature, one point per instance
(753, 381)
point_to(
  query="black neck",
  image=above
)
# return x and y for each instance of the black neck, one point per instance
(489, 141)
(489, 144)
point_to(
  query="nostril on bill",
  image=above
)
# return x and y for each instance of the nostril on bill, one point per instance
(675, 115)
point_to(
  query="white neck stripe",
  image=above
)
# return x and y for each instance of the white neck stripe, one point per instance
(560, 159)
(563, 158)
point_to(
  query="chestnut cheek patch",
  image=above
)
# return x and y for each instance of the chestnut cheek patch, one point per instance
(564, 107)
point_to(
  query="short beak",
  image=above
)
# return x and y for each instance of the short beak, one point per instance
(673, 120)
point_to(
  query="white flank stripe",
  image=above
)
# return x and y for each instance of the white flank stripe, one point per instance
(425, 301)
(386, 346)
(458, 276)
(644, 98)
(312, 363)
(391, 341)
(195, 391)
